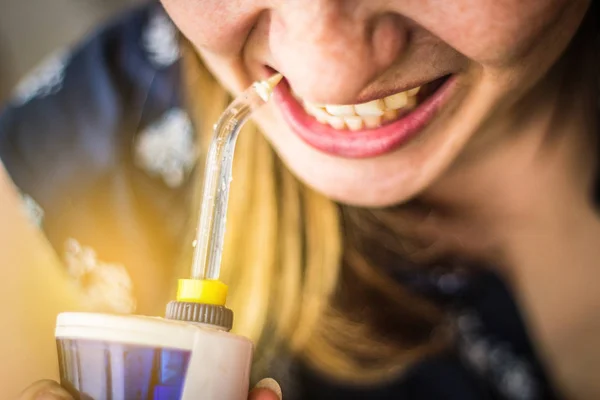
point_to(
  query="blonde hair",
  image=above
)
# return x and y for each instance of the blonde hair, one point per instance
(283, 255)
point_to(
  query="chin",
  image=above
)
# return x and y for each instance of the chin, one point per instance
(349, 190)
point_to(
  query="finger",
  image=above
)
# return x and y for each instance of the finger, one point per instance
(263, 394)
(45, 390)
(266, 389)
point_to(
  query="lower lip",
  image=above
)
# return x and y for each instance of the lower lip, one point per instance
(363, 143)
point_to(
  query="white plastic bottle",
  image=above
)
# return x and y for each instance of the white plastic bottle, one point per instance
(189, 355)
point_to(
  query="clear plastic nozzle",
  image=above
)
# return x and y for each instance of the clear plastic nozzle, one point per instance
(217, 177)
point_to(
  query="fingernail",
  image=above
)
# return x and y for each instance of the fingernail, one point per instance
(270, 384)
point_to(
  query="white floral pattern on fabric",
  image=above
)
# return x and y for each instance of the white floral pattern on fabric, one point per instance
(34, 212)
(510, 374)
(167, 148)
(105, 285)
(44, 80)
(160, 40)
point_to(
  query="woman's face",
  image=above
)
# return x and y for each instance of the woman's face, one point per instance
(348, 119)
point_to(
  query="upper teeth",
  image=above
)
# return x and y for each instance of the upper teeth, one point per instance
(370, 114)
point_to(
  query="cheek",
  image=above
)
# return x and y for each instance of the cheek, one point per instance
(217, 26)
(492, 32)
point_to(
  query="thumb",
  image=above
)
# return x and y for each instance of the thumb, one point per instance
(45, 390)
(266, 389)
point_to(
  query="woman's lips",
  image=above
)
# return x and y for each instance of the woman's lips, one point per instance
(366, 142)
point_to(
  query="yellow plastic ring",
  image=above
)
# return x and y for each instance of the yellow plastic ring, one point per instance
(202, 291)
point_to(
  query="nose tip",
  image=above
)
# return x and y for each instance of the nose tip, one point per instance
(333, 59)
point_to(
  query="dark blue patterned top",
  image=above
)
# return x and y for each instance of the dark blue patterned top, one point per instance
(102, 127)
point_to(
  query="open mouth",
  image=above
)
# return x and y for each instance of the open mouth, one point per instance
(366, 129)
(372, 114)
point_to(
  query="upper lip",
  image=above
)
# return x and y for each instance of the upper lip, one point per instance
(369, 95)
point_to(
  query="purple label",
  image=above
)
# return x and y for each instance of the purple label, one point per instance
(98, 370)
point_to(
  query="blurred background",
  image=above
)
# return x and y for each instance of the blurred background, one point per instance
(31, 29)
